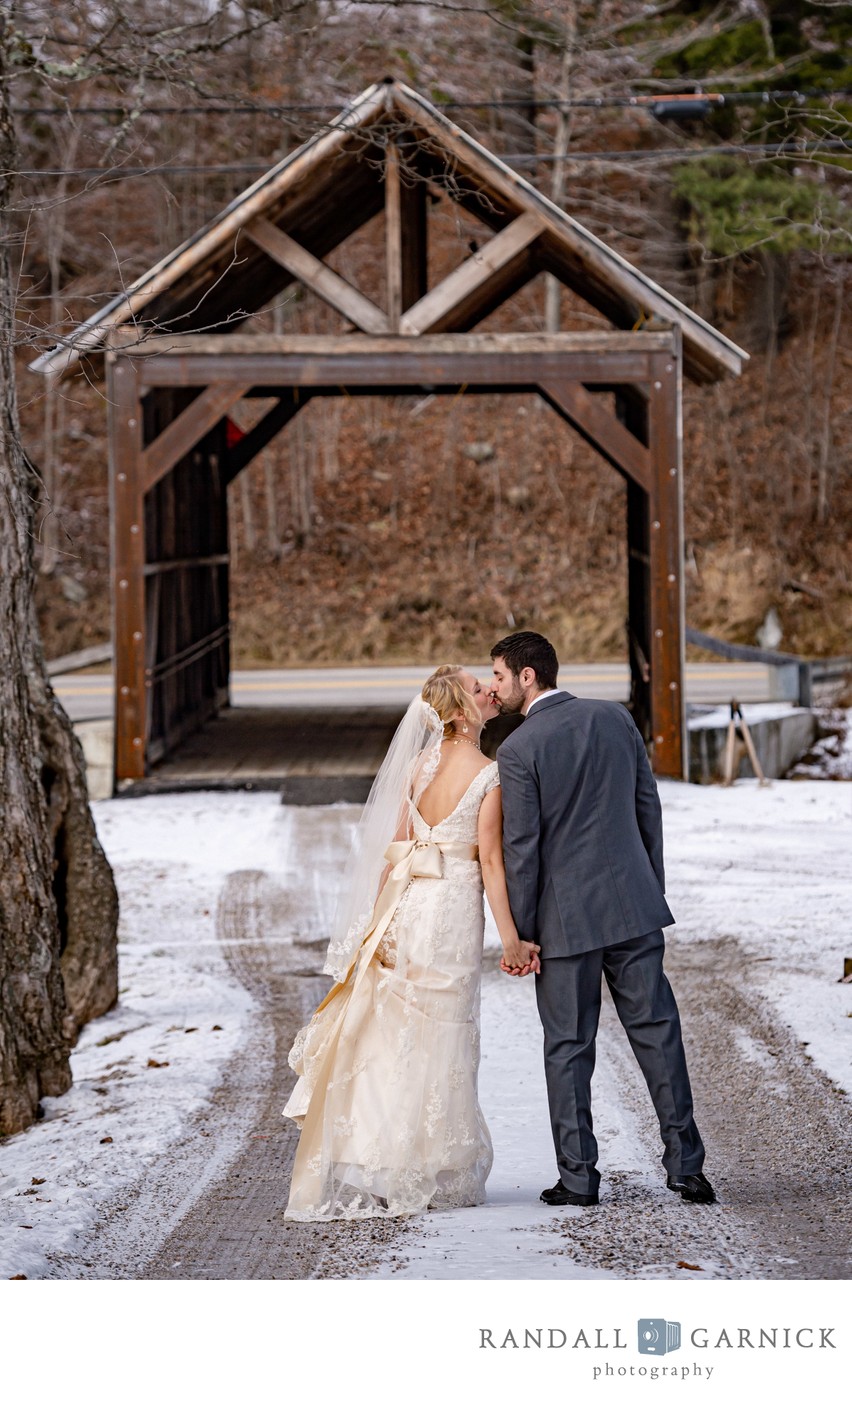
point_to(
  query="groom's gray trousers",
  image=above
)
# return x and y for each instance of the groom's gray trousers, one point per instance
(568, 991)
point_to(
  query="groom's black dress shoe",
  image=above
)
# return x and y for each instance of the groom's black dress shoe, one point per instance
(695, 1188)
(560, 1195)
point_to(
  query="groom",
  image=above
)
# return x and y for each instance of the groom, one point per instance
(583, 846)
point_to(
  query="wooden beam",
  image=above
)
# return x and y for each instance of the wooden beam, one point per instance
(319, 277)
(449, 300)
(668, 709)
(240, 455)
(297, 171)
(186, 430)
(127, 536)
(413, 365)
(159, 349)
(615, 443)
(568, 249)
(174, 565)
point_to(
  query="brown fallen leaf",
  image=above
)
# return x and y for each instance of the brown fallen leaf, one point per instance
(217, 1026)
(105, 1140)
(111, 1039)
(682, 1264)
(13, 1277)
(155, 1063)
(37, 1180)
(194, 1030)
(25, 1227)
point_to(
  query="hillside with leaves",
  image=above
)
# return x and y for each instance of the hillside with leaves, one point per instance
(413, 528)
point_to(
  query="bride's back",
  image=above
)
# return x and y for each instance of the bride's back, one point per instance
(459, 766)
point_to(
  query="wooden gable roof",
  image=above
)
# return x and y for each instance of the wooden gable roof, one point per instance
(280, 229)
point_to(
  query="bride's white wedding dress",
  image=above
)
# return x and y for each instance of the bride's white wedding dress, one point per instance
(387, 1093)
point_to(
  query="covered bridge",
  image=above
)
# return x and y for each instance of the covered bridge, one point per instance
(171, 383)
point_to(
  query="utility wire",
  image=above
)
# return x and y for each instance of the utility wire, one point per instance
(791, 148)
(641, 101)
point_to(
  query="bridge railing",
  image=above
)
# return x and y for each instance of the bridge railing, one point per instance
(792, 678)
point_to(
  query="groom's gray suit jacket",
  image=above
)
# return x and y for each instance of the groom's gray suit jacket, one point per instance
(582, 827)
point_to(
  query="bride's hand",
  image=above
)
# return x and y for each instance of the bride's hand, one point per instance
(520, 958)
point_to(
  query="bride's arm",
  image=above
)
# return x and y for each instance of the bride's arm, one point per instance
(518, 954)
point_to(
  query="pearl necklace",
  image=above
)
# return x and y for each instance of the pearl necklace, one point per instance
(462, 740)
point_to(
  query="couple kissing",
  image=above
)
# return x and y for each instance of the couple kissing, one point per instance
(563, 834)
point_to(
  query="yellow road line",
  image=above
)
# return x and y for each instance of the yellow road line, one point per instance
(616, 676)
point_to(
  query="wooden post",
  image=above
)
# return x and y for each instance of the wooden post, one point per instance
(631, 408)
(413, 206)
(405, 237)
(128, 567)
(668, 709)
(639, 606)
(393, 236)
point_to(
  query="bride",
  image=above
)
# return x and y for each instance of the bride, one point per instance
(387, 1091)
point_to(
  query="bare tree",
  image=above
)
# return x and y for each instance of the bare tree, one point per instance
(137, 54)
(58, 902)
(58, 907)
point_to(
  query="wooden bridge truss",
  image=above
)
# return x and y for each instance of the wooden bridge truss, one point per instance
(171, 459)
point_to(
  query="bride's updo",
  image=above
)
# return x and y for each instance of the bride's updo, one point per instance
(447, 696)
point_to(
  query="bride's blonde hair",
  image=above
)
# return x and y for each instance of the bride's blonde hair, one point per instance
(445, 693)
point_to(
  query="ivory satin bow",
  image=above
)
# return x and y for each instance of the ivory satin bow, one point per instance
(415, 858)
(408, 859)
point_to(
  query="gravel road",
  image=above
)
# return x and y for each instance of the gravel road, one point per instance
(775, 1127)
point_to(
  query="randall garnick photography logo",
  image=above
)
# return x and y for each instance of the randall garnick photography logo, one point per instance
(656, 1338)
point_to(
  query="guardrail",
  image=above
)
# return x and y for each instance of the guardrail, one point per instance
(794, 678)
(794, 681)
(76, 661)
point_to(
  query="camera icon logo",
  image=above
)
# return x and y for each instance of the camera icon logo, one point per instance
(657, 1337)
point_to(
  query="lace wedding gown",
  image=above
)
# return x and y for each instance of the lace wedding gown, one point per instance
(387, 1094)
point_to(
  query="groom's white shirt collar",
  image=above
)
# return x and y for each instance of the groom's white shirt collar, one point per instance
(554, 691)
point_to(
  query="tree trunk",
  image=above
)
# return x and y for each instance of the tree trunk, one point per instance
(58, 907)
(516, 81)
(824, 459)
(552, 285)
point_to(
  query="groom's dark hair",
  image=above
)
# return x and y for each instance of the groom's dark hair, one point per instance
(529, 649)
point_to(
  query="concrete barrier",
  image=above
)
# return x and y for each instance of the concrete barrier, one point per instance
(96, 737)
(781, 735)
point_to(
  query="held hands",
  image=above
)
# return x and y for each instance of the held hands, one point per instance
(520, 958)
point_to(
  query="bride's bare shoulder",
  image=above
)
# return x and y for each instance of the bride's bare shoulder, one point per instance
(471, 768)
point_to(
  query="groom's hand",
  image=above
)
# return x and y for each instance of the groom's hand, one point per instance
(530, 966)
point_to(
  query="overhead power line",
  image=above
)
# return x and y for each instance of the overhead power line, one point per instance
(632, 100)
(793, 148)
